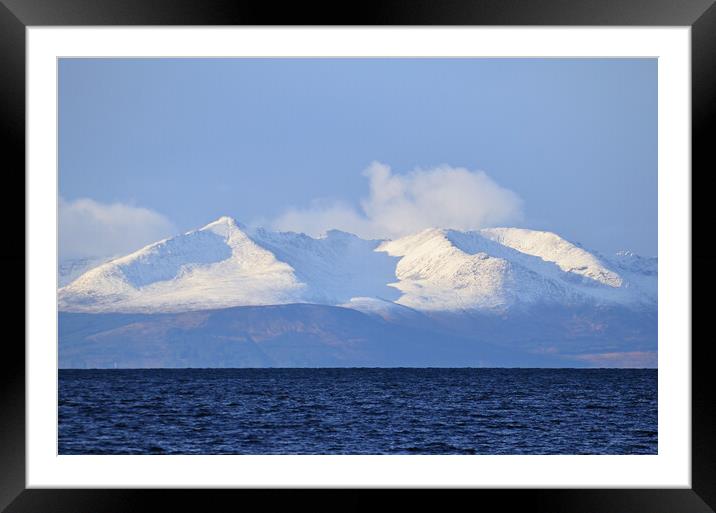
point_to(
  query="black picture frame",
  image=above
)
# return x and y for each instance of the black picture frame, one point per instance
(16, 15)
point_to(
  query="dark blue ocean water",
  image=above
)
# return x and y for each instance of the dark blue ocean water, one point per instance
(358, 411)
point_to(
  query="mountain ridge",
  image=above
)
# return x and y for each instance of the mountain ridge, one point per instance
(224, 264)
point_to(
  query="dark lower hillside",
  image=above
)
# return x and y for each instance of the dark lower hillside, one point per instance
(304, 335)
(577, 331)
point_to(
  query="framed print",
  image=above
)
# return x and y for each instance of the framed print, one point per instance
(441, 248)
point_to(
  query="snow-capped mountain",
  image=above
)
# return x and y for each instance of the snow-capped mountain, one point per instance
(226, 265)
(503, 267)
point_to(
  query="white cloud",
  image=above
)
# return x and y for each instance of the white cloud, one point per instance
(441, 197)
(89, 229)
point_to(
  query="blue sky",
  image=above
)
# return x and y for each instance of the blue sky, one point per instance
(151, 146)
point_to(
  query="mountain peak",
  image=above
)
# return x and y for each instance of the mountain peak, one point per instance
(225, 220)
(223, 226)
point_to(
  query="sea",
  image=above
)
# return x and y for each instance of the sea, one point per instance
(358, 411)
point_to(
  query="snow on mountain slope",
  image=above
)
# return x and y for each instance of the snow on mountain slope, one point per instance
(640, 272)
(218, 265)
(553, 248)
(498, 268)
(447, 270)
(69, 270)
(224, 265)
(386, 310)
(336, 267)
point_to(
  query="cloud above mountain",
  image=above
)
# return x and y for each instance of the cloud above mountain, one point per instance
(400, 204)
(90, 229)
